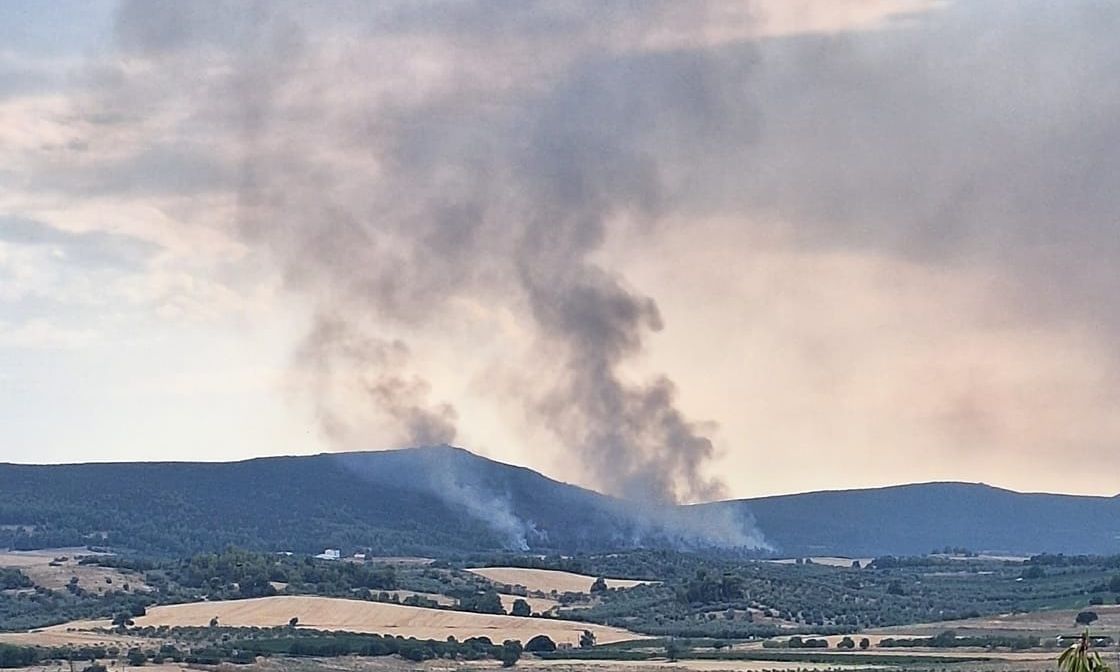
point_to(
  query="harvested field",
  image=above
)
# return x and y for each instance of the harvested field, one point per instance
(548, 580)
(698, 665)
(529, 662)
(71, 633)
(827, 560)
(539, 605)
(324, 613)
(1041, 623)
(48, 569)
(435, 597)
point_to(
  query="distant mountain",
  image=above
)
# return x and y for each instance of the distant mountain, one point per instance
(915, 519)
(443, 500)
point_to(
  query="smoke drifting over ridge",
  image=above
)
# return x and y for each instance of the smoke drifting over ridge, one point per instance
(396, 179)
(890, 246)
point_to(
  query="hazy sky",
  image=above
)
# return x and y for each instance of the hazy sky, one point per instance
(681, 250)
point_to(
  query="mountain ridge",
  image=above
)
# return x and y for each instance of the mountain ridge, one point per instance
(440, 500)
(512, 465)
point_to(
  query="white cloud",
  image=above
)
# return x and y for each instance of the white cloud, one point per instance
(42, 334)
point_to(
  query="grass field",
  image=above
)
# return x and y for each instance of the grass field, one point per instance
(548, 580)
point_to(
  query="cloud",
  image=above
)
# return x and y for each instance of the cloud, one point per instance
(40, 334)
(89, 249)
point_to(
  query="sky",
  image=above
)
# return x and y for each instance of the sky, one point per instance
(670, 251)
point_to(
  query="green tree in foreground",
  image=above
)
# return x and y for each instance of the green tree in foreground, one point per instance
(1080, 657)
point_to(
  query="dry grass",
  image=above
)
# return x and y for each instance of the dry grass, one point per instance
(527, 663)
(1040, 623)
(47, 568)
(435, 597)
(827, 560)
(548, 580)
(71, 634)
(539, 605)
(324, 613)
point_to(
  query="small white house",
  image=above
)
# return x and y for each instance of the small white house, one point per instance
(330, 554)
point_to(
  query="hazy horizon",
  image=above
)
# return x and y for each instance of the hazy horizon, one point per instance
(664, 251)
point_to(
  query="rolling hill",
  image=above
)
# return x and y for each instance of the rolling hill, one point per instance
(437, 501)
(915, 519)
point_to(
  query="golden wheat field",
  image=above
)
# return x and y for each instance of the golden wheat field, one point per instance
(324, 613)
(548, 580)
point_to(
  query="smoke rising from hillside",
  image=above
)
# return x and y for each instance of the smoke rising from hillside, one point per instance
(396, 178)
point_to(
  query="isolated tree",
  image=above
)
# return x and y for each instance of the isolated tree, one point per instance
(487, 602)
(510, 653)
(1086, 617)
(846, 643)
(865, 643)
(600, 585)
(521, 608)
(122, 620)
(293, 621)
(540, 644)
(136, 658)
(214, 622)
(673, 650)
(1080, 657)
(587, 639)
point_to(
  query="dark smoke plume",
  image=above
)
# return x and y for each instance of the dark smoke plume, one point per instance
(393, 202)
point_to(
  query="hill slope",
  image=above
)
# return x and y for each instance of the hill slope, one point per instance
(441, 500)
(914, 519)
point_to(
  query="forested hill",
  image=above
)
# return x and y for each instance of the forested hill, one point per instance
(914, 519)
(442, 500)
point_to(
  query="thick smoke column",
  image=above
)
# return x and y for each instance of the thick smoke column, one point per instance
(396, 177)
